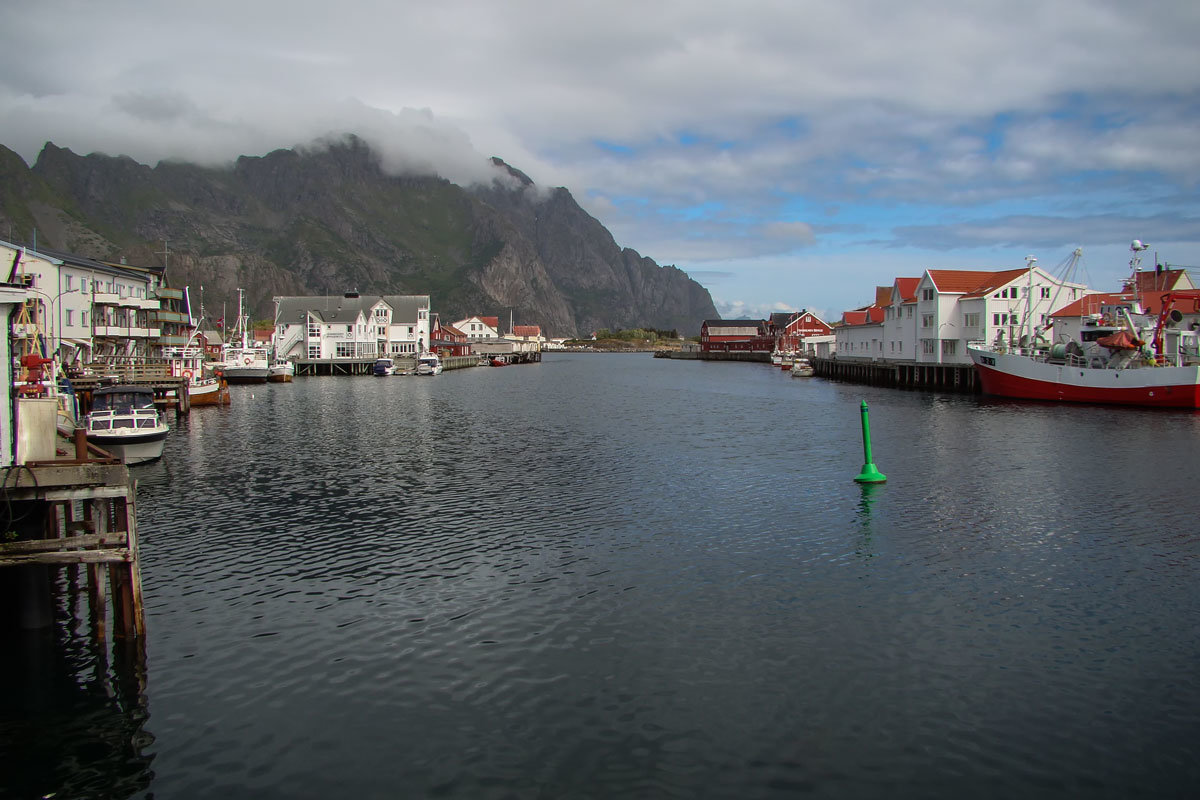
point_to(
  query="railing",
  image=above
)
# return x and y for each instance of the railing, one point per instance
(1060, 354)
(131, 373)
(117, 419)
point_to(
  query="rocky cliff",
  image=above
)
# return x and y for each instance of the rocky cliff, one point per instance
(329, 220)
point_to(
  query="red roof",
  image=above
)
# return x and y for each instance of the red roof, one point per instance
(446, 328)
(527, 330)
(863, 316)
(907, 288)
(1157, 281)
(1187, 301)
(975, 282)
(493, 322)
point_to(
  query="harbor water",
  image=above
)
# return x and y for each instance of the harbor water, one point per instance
(612, 576)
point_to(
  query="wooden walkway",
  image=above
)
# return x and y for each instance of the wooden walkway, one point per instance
(67, 514)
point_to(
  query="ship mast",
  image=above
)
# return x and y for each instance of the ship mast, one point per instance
(1135, 262)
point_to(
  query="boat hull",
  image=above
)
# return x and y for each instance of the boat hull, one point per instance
(1022, 377)
(245, 374)
(133, 449)
(212, 393)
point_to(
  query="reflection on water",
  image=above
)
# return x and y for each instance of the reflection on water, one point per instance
(72, 721)
(611, 576)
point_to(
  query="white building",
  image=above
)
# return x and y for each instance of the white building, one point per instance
(932, 318)
(88, 310)
(12, 297)
(479, 327)
(351, 326)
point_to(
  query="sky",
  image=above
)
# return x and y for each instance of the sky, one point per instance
(787, 155)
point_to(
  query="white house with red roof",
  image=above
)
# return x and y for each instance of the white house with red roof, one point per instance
(930, 319)
(479, 327)
(861, 333)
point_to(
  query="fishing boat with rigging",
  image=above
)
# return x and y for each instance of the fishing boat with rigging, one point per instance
(242, 359)
(1123, 355)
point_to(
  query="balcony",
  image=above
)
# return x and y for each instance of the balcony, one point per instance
(114, 299)
(122, 332)
(160, 315)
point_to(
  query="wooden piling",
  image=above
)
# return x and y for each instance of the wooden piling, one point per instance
(105, 539)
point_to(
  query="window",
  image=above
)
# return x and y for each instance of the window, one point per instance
(949, 347)
(381, 330)
(314, 331)
(344, 350)
(67, 279)
(83, 318)
(349, 329)
(927, 294)
(70, 317)
(927, 346)
(996, 319)
(927, 320)
(1016, 292)
(1045, 292)
(314, 350)
(910, 312)
(970, 320)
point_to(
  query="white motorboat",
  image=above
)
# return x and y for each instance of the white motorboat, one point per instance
(802, 368)
(281, 371)
(125, 422)
(384, 366)
(429, 364)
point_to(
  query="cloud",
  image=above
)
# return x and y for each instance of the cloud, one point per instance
(716, 135)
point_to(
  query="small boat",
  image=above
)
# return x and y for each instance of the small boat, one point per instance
(499, 362)
(204, 387)
(125, 422)
(429, 364)
(383, 367)
(281, 371)
(802, 368)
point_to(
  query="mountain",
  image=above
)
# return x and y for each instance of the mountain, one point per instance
(327, 220)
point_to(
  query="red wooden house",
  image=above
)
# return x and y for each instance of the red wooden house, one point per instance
(447, 340)
(735, 335)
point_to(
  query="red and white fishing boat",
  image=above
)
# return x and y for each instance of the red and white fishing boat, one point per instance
(1121, 355)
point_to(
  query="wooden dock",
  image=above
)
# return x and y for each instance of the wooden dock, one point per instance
(72, 513)
(169, 391)
(901, 374)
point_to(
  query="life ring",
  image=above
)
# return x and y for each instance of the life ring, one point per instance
(187, 373)
(247, 360)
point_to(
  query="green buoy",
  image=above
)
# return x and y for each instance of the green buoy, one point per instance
(869, 474)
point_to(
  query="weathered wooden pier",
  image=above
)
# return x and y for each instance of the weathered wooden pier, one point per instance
(69, 513)
(365, 366)
(169, 391)
(733, 355)
(900, 374)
